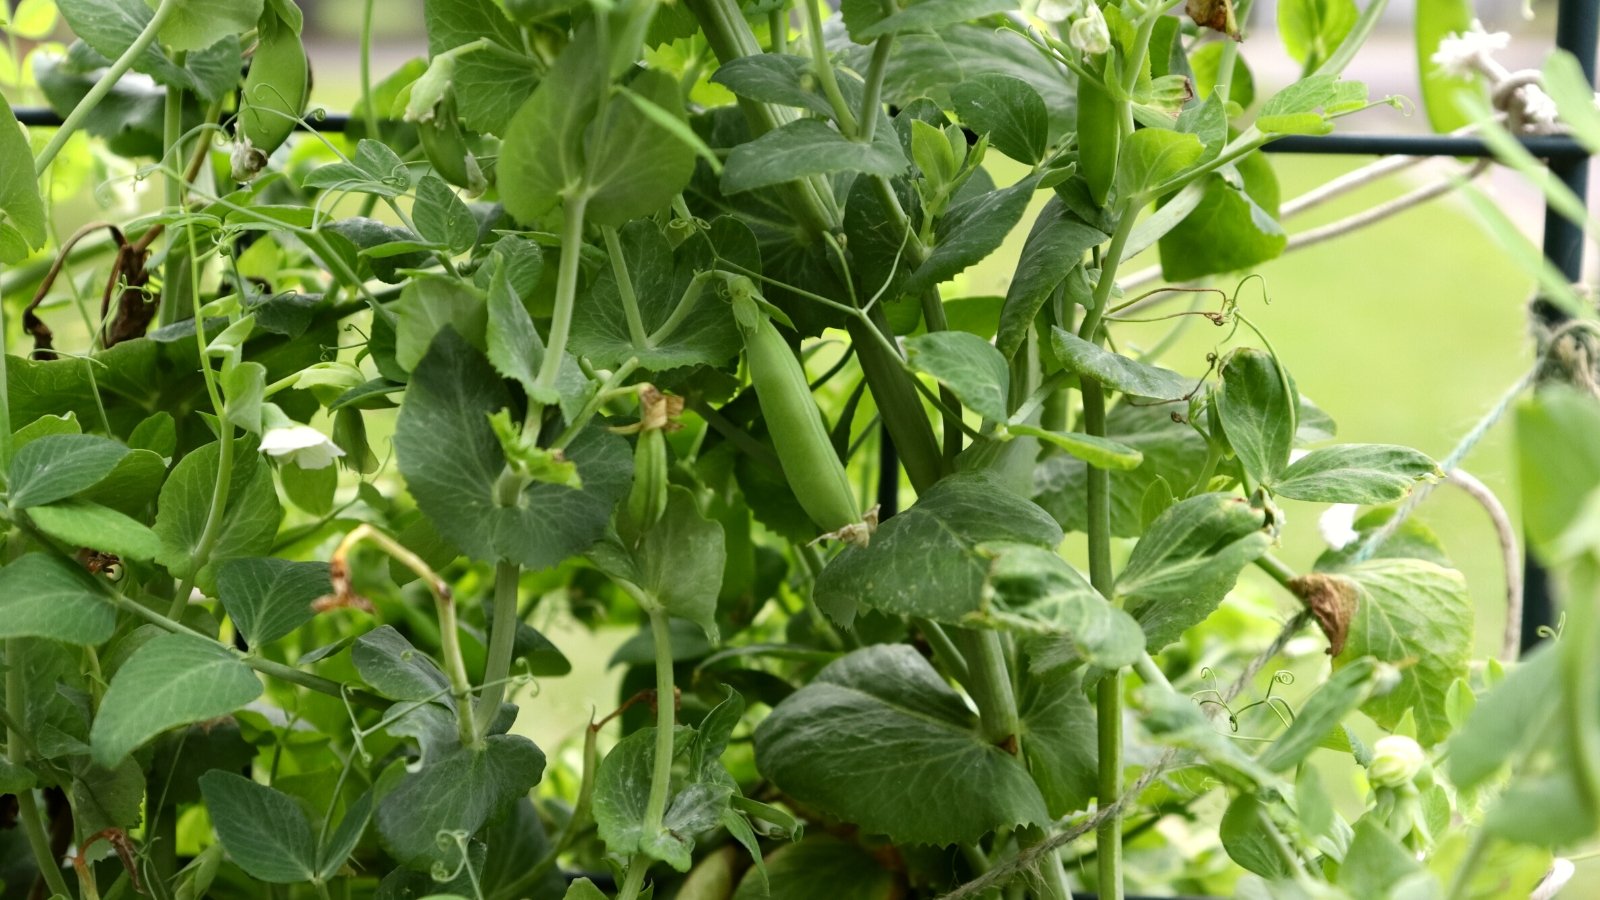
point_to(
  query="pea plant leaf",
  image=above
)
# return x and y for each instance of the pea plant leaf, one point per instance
(460, 790)
(390, 665)
(47, 597)
(57, 466)
(542, 154)
(1187, 561)
(930, 15)
(441, 217)
(1511, 717)
(1009, 111)
(773, 78)
(427, 304)
(264, 831)
(1153, 156)
(1322, 714)
(1312, 29)
(926, 560)
(22, 219)
(452, 461)
(803, 148)
(704, 333)
(1118, 372)
(1364, 474)
(1034, 593)
(249, 520)
(1170, 451)
(638, 162)
(1233, 226)
(1418, 616)
(970, 231)
(197, 24)
(686, 584)
(822, 863)
(1055, 246)
(621, 792)
(268, 597)
(490, 84)
(1059, 739)
(173, 680)
(1256, 404)
(872, 740)
(80, 523)
(967, 364)
(1309, 105)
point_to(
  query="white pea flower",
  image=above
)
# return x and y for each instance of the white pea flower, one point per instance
(1338, 525)
(1538, 107)
(1059, 10)
(1561, 871)
(1468, 52)
(1090, 34)
(1396, 760)
(302, 445)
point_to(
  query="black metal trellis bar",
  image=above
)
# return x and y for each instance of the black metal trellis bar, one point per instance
(1577, 32)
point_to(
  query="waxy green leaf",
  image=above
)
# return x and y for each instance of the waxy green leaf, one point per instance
(1418, 616)
(970, 231)
(452, 462)
(22, 219)
(1256, 404)
(462, 790)
(926, 561)
(1118, 372)
(1187, 561)
(1364, 474)
(173, 680)
(268, 597)
(1009, 111)
(1033, 592)
(1055, 246)
(264, 831)
(967, 364)
(249, 521)
(57, 466)
(1154, 156)
(490, 84)
(678, 562)
(807, 147)
(79, 523)
(197, 24)
(774, 78)
(48, 597)
(874, 739)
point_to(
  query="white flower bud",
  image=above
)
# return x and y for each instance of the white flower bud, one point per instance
(1090, 34)
(302, 445)
(1469, 52)
(1338, 525)
(1396, 760)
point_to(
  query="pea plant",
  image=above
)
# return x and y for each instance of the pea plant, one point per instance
(655, 316)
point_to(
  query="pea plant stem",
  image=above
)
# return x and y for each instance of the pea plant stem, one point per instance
(108, 80)
(823, 68)
(502, 641)
(989, 682)
(27, 807)
(666, 724)
(172, 181)
(566, 289)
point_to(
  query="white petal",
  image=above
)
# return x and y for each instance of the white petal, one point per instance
(1337, 525)
(285, 441)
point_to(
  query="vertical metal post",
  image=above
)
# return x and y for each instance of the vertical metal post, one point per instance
(1577, 32)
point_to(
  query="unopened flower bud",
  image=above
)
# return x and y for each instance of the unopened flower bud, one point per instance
(1396, 760)
(1090, 34)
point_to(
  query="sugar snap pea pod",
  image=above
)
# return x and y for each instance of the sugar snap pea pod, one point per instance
(798, 433)
(1099, 135)
(274, 96)
(444, 143)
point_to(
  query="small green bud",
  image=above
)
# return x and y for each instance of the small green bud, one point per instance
(1396, 760)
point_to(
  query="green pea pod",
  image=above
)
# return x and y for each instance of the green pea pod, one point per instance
(444, 143)
(647, 499)
(1099, 137)
(275, 94)
(806, 454)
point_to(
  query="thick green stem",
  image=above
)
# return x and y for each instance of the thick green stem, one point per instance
(666, 722)
(502, 640)
(989, 682)
(630, 300)
(1108, 706)
(27, 807)
(214, 516)
(370, 106)
(637, 867)
(824, 69)
(173, 283)
(566, 290)
(108, 80)
(1126, 215)
(5, 399)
